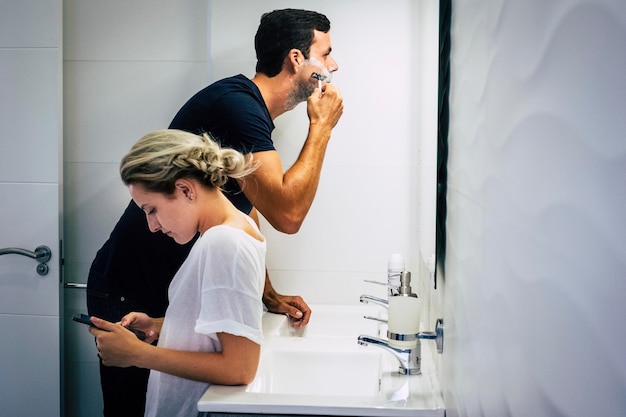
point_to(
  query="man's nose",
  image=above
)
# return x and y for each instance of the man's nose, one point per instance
(333, 65)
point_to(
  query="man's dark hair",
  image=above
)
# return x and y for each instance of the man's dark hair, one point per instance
(283, 30)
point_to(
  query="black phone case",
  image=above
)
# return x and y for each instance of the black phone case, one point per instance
(84, 318)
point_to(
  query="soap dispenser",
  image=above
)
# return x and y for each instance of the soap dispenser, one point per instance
(404, 315)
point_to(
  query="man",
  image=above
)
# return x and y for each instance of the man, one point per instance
(293, 58)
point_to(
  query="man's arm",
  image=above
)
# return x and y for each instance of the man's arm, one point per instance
(292, 305)
(284, 198)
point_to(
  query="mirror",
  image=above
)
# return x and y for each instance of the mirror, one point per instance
(445, 14)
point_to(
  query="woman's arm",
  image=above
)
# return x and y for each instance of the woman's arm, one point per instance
(236, 364)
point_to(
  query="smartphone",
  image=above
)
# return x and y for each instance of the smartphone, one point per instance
(84, 318)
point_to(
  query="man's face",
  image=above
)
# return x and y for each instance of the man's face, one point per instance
(321, 62)
(320, 54)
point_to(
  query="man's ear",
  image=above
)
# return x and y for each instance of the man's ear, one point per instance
(295, 58)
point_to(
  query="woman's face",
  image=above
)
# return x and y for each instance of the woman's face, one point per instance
(170, 214)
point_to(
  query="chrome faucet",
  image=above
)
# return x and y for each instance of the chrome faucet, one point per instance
(410, 359)
(370, 299)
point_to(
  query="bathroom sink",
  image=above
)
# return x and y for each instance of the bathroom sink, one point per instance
(355, 372)
(322, 370)
(328, 321)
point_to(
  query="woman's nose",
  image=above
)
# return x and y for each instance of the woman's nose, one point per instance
(153, 224)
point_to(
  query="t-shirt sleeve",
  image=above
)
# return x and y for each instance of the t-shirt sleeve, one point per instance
(245, 125)
(232, 287)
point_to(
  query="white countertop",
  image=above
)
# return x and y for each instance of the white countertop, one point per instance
(332, 330)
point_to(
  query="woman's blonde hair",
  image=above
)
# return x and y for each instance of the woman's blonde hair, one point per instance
(160, 158)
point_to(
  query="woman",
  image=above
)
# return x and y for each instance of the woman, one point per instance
(211, 332)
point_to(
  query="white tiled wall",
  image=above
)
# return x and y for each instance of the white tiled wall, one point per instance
(536, 251)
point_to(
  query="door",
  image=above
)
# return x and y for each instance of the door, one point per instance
(30, 189)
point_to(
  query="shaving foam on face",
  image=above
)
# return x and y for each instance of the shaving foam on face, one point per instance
(324, 76)
(319, 78)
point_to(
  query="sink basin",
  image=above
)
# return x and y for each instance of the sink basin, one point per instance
(355, 373)
(322, 370)
(328, 321)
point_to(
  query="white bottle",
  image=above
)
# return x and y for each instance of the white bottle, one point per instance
(395, 267)
(404, 316)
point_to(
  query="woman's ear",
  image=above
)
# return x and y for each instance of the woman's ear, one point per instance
(186, 188)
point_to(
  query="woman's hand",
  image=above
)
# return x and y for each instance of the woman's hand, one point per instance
(117, 346)
(141, 321)
(236, 364)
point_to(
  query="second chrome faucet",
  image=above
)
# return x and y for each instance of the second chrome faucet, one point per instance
(403, 336)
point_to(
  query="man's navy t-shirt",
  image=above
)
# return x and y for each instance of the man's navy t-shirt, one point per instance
(233, 112)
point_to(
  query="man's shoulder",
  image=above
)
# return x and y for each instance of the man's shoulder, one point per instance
(237, 82)
(233, 90)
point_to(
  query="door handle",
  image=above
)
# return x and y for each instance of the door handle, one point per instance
(42, 254)
(75, 285)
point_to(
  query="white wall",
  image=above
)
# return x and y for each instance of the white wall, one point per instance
(536, 250)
